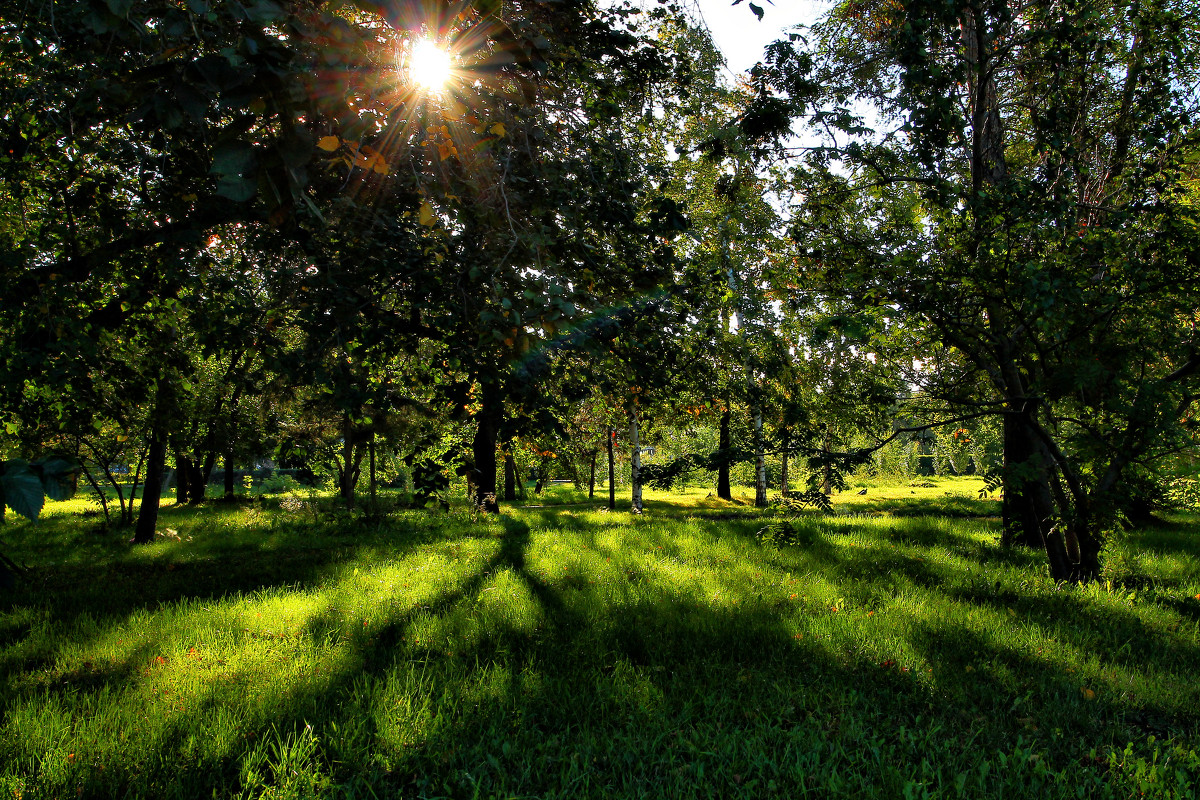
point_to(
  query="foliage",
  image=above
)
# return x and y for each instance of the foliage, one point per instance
(1183, 493)
(25, 485)
(1008, 184)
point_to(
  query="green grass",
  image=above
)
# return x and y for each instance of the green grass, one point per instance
(565, 651)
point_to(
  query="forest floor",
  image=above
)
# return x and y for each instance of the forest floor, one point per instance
(895, 650)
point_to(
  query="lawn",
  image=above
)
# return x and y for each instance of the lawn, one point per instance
(561, 650)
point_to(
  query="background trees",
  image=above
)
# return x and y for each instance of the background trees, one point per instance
(231, 229)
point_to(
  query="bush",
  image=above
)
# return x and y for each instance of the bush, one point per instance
(276, 483)
(1183, 494)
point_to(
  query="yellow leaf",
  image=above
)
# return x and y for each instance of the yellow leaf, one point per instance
(1088, 694)
(497, 129)
(444, 150)
(381, 166)
(426, 215)
(454, 110)
(329, 143)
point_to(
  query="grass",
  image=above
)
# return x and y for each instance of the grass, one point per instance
(565, 651)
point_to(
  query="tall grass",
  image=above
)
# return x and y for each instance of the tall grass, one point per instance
(568, 652)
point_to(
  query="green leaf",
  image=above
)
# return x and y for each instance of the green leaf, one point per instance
(233, 163)
(22, 490)
(119, 7)
(54, 476)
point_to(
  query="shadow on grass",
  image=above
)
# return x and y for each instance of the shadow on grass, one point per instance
(656, 691)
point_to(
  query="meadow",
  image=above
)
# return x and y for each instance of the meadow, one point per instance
(270, 648)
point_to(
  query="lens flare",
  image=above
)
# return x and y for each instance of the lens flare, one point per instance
(429, 65)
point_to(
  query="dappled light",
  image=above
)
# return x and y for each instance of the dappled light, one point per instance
(607, 633)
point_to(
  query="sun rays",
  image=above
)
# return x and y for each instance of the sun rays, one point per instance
(429, 65)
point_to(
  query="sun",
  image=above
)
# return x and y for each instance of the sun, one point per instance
(429, 65)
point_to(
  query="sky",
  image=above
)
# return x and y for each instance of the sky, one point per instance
(742, 37)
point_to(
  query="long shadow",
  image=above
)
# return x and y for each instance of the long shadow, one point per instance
(633, 673)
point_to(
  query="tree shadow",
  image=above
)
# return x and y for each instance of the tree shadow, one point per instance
(647, 687)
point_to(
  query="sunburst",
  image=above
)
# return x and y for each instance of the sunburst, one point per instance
(429, 65)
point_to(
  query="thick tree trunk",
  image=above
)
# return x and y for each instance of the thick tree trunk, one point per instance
(197, 481)
(612, 472)
(635, 471)
(148, 510)
(1027, 505)
(483, 449)
(724, 443)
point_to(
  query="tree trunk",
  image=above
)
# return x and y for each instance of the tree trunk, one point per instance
(229, 475)
(760, 460)
(784, 489)
(612, 473)
(148, 510)
(483, 449)
(198, 481)
(827, 470)
(724, 443)
(127, 519)
(183, 478)
(371, 481)
(592, 476)
(635, 469)
(543, 475)
(510, 474)
(348, 479)
(1027, 505)
(96, 488)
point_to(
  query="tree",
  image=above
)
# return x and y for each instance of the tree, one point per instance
(1011, 178)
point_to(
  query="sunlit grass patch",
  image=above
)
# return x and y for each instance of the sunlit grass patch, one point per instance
(574, 651)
